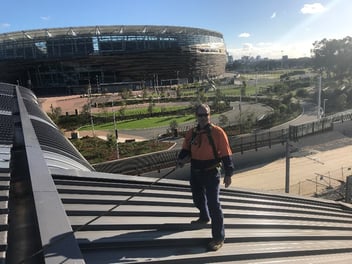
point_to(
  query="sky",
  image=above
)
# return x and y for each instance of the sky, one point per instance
(266, 28)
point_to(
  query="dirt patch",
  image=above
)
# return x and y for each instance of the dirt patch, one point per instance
(68, 104)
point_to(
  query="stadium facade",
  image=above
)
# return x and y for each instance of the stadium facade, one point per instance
(67, 60)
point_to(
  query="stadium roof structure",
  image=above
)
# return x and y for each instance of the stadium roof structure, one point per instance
(55, 208)
(104, 30)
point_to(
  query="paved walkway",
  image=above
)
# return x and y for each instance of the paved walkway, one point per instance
(103, 135)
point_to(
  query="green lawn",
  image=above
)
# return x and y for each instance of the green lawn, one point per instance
(142, 123)
(144, 110)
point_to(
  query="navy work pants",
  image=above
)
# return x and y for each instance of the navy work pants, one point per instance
(205, 186)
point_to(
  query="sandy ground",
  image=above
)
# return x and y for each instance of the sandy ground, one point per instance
(308, 174)
(67, 103)
(103, 134)
(73, 103)
(317, 162)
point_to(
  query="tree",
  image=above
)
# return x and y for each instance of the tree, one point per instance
(55, 114)
(122, 110)
(223, 120)
(178, 91)
(201, 97)
(126, 93)
(85, 110)
(145, 93)
(218, 101)
(173, 125)
(333, 57)
(151, 106)
(111, 141)
(243, 88)
(302, 92)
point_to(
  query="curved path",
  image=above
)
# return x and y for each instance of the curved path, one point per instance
(262, 156)
(233, 116)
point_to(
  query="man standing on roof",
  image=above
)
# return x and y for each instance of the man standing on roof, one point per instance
(207, 147)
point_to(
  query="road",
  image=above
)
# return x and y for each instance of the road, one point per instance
(309, 114)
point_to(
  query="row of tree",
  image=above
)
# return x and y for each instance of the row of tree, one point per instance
(333, 57)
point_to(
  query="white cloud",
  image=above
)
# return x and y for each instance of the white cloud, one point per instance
(5, 25)
(273, 15)
(247, 46)
(244, 35)
(45, 18)
(272, 50)
(264, 44)
(312, 8)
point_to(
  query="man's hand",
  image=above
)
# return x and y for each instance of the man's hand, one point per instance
(181, 162)
(227, 181)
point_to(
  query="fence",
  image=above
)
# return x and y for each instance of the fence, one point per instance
(241, 143)
(329, 185)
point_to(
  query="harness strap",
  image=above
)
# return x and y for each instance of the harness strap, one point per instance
(210, 139)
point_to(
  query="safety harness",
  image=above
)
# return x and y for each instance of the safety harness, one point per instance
(210, 139)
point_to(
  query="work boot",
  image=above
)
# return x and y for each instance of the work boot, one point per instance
(215, 244)
(200, 221)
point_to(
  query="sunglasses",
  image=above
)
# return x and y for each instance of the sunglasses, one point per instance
(202, 115)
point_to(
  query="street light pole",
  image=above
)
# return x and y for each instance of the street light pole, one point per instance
(319, 97)
(240, 108)
(90, 106)
(287, 178)
(98, 87)
(256, 88)
(324, 106)
(116, 138)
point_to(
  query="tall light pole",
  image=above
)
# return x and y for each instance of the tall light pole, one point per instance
(256, 87)
(90, 106)
(98, 87)
(240, 108)
(319, 97)
(116, 138)
(287, 178)
(282, 59)
(324, 106)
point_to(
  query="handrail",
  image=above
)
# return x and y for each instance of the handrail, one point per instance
(160, 160)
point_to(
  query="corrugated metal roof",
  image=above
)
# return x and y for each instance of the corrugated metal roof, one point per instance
(154, 224)
(75, 215)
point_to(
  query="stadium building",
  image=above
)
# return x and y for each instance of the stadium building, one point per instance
(67, 60)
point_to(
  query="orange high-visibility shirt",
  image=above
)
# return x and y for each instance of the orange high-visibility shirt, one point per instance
(201, 148)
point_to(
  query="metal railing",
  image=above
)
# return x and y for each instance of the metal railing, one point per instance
(160, 160)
